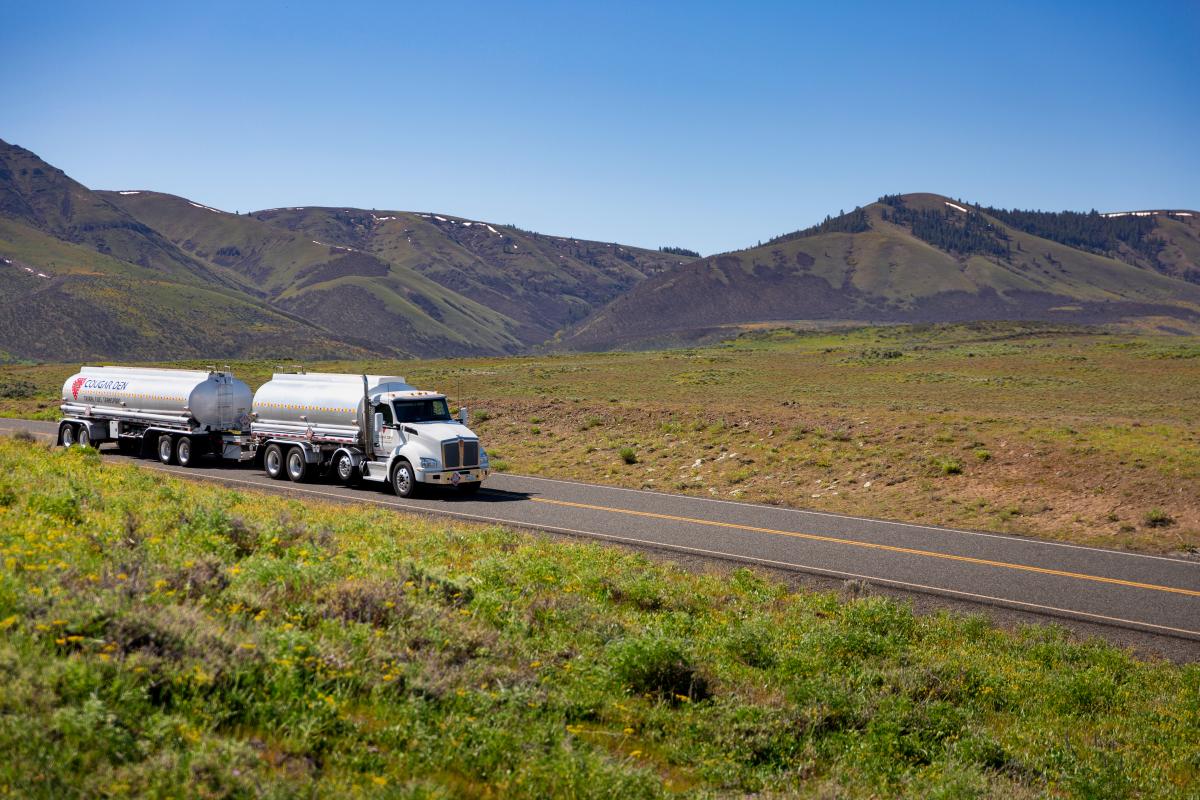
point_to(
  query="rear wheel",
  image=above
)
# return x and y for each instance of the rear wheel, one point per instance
(184, 451)
(85, 436)
(273, 461)
(297, 467)
(66, 434)
(403, 482)
(166, 448)
(343, 467)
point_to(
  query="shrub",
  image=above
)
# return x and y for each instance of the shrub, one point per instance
(947, 466)
(751, 644)
(657, 666)
(499, 466)
(482, 416)
(1157, 518)
(17, 389)
(628, 455)
(983, 454)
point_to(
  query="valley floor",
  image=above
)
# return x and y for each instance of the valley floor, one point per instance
(1069, 434)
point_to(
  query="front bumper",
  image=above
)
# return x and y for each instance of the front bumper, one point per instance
(446, 476)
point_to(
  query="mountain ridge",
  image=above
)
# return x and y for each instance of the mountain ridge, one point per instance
(140, 273)
(905, 258)
(289, 293)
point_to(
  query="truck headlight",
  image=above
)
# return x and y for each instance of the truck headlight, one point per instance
(429, 463)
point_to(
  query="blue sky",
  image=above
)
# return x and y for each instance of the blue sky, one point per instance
(706, 125)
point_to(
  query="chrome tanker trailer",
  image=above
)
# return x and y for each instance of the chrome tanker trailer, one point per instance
(177, 413)
(364, 427)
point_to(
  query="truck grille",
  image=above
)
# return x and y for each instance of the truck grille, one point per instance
(460, 453)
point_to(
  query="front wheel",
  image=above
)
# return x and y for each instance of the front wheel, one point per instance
(85, 436)
(273, 461)
(403, 482)
(166, 448)
(66, 434)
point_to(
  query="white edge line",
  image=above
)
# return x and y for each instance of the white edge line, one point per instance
(765, 507)
(1071, 613)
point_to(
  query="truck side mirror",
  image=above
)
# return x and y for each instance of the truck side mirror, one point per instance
(462, 415)
(378, 423)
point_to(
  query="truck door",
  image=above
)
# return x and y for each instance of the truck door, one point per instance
(389, 432)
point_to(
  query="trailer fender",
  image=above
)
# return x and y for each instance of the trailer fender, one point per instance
(98, 431)
(312, 455)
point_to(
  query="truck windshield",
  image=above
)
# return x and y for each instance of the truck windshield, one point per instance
(434, 410)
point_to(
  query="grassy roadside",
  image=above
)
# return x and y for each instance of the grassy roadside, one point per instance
(1063, 433)
(159, 637)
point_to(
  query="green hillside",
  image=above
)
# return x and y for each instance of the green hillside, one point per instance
(61, 300)
(46, 199)
(157, 275)
(916, 258)
(541, 283)
(346, 289)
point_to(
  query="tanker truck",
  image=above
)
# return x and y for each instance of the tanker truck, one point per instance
(373, 428)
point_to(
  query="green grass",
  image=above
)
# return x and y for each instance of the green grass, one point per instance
(164, 638)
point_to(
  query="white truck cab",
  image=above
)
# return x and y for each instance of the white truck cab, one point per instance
(415, 428)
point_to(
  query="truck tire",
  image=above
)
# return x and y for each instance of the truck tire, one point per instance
(166, 448)
(273, 461)
(404, 483)
(85, 436)
(185, 452)
(297, 466)
(66, 434)
(344, 469)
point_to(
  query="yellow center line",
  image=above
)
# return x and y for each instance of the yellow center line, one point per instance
(874, 546)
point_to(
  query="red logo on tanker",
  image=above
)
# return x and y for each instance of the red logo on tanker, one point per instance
(78, 382)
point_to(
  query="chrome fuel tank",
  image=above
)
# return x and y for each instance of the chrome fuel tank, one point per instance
(193, 399)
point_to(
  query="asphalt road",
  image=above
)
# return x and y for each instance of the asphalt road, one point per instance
(1135, 592)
